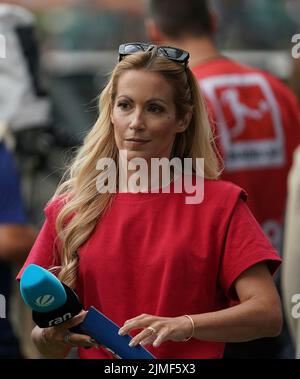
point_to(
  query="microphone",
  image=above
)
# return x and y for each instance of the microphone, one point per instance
(53, 303)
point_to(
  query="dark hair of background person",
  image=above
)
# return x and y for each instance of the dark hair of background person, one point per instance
(176, 19)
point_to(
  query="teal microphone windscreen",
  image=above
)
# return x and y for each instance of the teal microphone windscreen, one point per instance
(41, 290)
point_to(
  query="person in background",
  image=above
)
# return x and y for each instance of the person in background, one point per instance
(16, 240)
(291, 266)
(255, 119)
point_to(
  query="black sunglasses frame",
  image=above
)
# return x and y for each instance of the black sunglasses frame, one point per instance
(162, 51)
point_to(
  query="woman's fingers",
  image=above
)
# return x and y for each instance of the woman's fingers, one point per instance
(137, 318)
(148, 340)
(82, 340)
(76, 320)
(138, 322)
(161, 337)
(147, 333)
(62, 335)
(156, 330)
(126, 328)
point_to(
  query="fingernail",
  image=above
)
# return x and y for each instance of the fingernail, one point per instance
(131, 343)
(92, 341)
(121, 332)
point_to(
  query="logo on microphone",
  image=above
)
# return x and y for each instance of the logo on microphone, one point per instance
(44, 301)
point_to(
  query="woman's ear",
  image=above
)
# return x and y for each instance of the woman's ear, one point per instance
(185, 122)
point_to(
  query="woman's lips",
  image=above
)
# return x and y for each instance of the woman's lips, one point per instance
(137, 141)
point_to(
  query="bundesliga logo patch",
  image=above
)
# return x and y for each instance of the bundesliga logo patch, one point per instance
(249, 120)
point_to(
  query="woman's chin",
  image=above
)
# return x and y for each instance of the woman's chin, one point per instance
(131, 154)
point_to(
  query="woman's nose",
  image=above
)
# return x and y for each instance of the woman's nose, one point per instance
(137, 121)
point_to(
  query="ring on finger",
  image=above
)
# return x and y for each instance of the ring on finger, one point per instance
(67, 339)
(152, 330)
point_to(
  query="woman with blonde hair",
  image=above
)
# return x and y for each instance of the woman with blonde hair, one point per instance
(163, 267)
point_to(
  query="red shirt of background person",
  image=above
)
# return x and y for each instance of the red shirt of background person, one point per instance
(255, 116)
(151, 258)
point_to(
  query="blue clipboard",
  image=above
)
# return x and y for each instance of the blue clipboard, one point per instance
(105, 332)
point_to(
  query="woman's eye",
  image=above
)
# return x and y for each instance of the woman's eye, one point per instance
(123, 106)
(155, 108)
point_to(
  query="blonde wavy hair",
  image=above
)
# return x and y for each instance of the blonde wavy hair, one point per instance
(84, 205)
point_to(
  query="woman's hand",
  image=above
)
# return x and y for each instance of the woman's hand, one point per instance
(157, 330)
(56, 341)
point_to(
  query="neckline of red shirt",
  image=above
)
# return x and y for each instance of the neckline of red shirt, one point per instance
(206, 61)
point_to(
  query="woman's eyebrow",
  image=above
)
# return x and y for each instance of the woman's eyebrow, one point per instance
(127, 97)
(148, 101)
(156, 99)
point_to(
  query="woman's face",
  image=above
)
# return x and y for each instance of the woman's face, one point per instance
(144, 115)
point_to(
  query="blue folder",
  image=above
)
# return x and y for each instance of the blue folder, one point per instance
(105, 332)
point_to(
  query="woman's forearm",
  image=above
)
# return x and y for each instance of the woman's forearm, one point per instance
(257, 315)
(243, 322)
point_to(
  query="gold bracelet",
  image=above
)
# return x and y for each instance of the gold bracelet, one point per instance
(193, 328)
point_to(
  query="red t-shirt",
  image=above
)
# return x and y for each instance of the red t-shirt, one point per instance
(257, 127)
(152, 253)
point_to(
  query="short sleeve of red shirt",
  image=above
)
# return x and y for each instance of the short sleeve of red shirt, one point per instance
(43, 252)
(245, 245)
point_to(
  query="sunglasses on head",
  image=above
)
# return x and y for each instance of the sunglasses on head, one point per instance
(172, 53)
